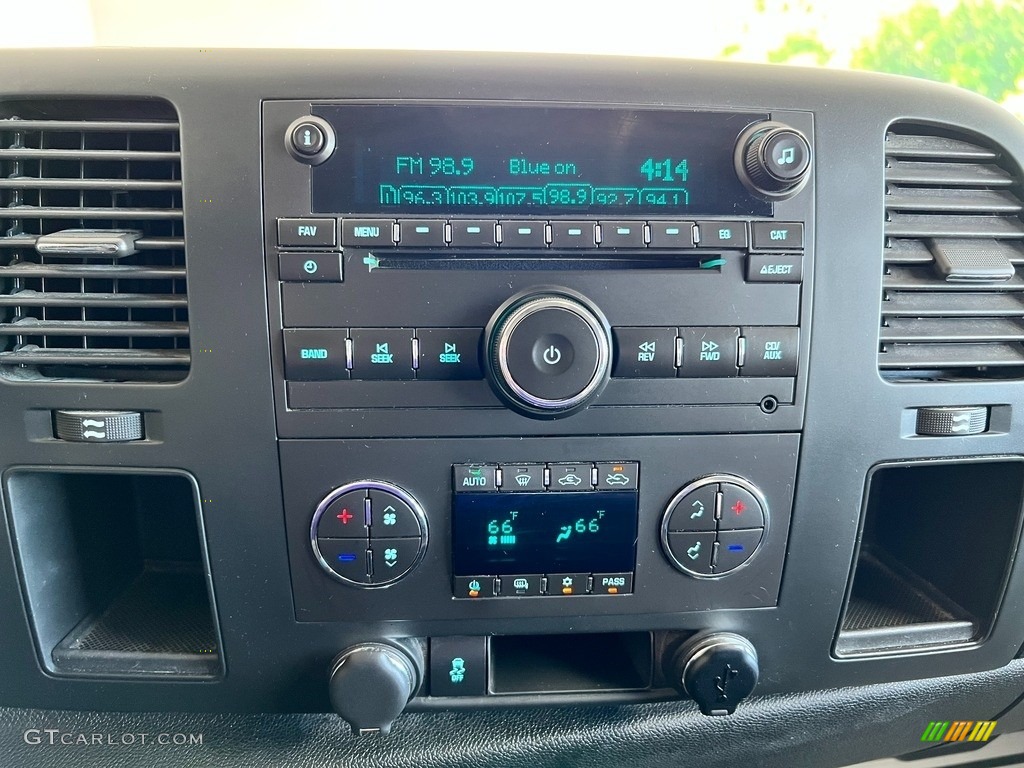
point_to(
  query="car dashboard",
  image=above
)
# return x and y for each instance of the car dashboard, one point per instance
(549, 409)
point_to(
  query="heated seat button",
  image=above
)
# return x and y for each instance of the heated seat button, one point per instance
(739, 509)
(449, 353)
(771, 351)
(307, 232)
(693, 551)
(645, 353)
(709, 352)
(345, 518)
(695, 511)
(458, 666)
(346, 557)
(381, 353)
(314, 355)
(390, 517)
(735, 548)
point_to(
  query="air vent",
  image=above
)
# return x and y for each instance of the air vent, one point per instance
(92, 250)
(953, 293)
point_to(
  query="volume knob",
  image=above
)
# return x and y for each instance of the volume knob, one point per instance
(773, 160)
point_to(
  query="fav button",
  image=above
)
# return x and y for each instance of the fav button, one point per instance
(307, 232)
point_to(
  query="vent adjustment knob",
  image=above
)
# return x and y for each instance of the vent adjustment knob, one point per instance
(955, 421)
(773, 160)
(98, 426)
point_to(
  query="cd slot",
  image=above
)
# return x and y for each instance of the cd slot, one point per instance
(546, 261)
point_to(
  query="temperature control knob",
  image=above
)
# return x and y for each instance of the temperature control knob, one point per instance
(549, 352)
(773, 160)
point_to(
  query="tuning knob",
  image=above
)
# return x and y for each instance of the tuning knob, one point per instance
(370, 684)
(717, 670)
(773, 160)
(549, 352)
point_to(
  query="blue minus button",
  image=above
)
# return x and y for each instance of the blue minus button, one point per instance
(736, 547)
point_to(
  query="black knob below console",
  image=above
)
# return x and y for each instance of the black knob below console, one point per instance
(549, 352)
(717, 670)
(773, 160)
(370, 684)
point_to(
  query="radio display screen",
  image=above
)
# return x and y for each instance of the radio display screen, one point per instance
(511, 160)
(513, 533)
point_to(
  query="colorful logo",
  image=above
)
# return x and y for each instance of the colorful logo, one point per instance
(959, 730)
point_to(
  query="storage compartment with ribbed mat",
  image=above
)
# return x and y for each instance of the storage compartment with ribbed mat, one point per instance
(114, 572)
(937, 542)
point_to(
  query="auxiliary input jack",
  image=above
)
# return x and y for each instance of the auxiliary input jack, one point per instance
(769, 404)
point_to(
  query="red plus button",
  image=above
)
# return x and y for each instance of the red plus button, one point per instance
(740, 509)
(345, 518)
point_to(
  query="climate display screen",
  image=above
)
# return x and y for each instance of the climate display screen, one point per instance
(498, 533)
(435, 160)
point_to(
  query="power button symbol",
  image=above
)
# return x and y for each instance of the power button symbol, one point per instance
(552, 355)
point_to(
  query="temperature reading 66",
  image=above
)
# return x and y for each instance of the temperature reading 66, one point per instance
(580, 526)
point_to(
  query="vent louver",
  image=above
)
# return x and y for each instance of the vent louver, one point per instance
(953, 293)
(108, 304)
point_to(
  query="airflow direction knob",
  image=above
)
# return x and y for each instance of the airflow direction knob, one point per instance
(952, 421)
